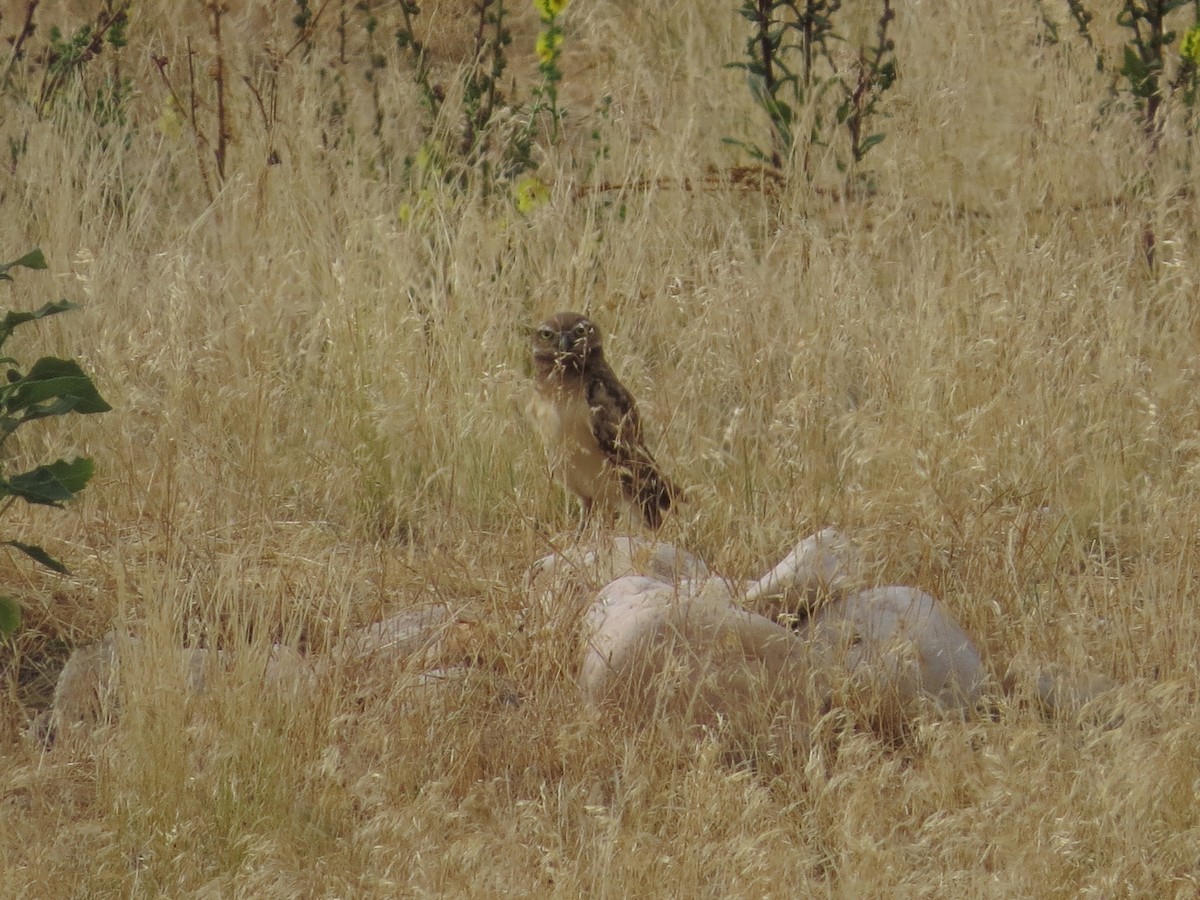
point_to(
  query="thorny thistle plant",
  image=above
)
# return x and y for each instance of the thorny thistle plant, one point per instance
(1189, 46)
(497, 135)
(1145, 62)
(1189, 66)
(790, 69)
(772, 83)
(406, 39)
(482, 96)
(548, 49)
(42, 75)
(875, 72)
(1083, 22)
(1152, 76)
(212, 140)
(497, 138)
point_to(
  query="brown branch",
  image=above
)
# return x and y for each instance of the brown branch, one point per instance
(737, 177)
(201, 141)
(268, 118)
(223, 133)
(748, 178)
(308, 30)
(19, 41)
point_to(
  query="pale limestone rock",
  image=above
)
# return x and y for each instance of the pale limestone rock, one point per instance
(660, 635)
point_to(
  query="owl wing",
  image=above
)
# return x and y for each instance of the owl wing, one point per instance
(618, 430)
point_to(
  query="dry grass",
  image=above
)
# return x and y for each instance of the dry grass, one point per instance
(318, 421)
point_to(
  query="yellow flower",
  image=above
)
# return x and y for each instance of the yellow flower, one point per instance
(547, 46)
(529, 193)
(549, 10)
(407, 212)
(170, 122)
(1189, 47)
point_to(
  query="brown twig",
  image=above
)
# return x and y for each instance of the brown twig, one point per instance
(341, 30)
(763, 178)
(161, 62)
(223, 133)
(19, 41)
(308, 31)
(267, 117)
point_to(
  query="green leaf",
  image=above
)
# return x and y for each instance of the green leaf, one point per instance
(50, 485)
(1139, 72)
(10, 616)
(13, 319)
(50, 378)
(59, 407)
(73, 475)
(869, 142)
(886, 75)
(753, 149)
(779, 111)
(34, 259)
(784, 75)
(35, 552)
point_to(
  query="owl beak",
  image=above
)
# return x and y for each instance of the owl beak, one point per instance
(565, 344)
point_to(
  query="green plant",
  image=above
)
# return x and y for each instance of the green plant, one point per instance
(61, 72)
(406, 39)
(497, 133)
(1150, 76)
(1188, 77)
(790, 68)
(548, 49)
(1144, 61)
(305, 21)
(481, 85)
(772, 83)
(64, 57)
(1083, 21)
(51, 387)
(217, 137)
(874, 73)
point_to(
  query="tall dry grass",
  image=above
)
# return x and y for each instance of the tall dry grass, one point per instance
(318, 422)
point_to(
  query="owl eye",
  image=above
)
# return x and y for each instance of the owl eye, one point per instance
(580, 330)
(546, 334)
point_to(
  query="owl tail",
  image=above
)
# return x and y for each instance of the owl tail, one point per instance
(655, 495)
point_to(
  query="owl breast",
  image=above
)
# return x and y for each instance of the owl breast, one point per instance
(565, 422)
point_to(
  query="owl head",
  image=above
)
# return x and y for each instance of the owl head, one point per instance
(567, 340)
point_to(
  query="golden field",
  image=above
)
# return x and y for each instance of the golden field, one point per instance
(319, 373)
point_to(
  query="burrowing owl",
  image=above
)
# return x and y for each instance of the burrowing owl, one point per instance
(590, 423)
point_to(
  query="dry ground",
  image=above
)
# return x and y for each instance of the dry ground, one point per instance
(318, 381)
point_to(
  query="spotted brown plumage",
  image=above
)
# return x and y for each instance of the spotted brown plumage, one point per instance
(590, 424)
